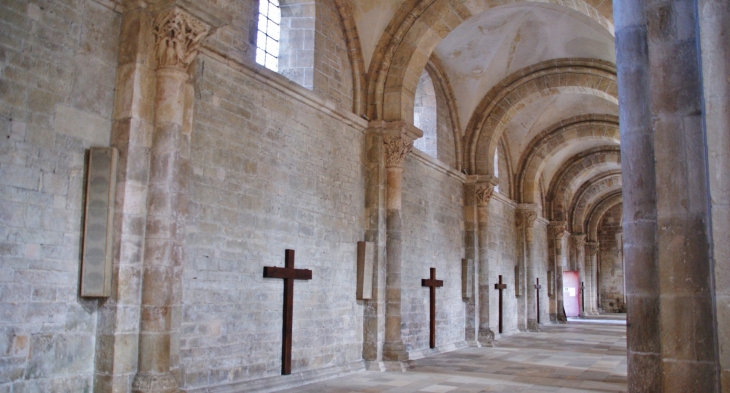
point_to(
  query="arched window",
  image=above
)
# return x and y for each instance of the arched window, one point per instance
(425, 115)
(267, 40)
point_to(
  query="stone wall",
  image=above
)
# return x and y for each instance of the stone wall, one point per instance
(502, 260)
(332, 70)
(270, 173)
(610, 262)
(433, 217)
(57, 73)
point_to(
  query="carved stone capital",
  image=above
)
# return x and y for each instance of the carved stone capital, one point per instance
(178, 38)
(484, 193)
(529, 217)
(579, 240)
(397, 148)
(559, 228)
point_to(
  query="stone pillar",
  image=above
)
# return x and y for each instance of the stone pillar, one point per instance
(579, 245)
(591, 278)
(714, 21)
(178, 37)
(398, 142)
(484, 193)
(527, 220)
(117, 333)
(471, 242)
(671, 330)
(559, 233)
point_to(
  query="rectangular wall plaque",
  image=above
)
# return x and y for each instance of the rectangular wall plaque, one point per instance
(365, 262)
(518, 281)
(96, 260)
(467, 278)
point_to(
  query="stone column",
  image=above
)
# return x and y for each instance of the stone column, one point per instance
(671, 330)
(591, 278)
(398, 141)
(484, 193)
(117, 332)
(178, 36)
(528, 217)
(471, 243)
(715, 29)
(578, 245)
(559, 267)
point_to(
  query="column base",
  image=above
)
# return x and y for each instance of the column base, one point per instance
(154, 383)
(394, 352)
(486, 337)
(532, 325)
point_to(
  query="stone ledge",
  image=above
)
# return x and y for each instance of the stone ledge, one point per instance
(436, 164)
(280, 382)
(289, 88)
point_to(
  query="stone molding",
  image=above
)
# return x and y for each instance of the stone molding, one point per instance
(178, 38)
(484, 193)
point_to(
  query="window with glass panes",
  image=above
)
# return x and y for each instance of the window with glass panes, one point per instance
(267, 40)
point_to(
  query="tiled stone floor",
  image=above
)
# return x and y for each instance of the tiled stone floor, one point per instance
(579, 356)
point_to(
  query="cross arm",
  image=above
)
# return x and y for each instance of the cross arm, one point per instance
(425, 282)
(282, 272)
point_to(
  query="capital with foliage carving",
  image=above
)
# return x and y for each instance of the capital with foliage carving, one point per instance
(397, 148)
(178, 38)
(484, 193)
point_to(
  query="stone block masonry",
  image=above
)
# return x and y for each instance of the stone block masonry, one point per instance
(433, 233)
(270, 173)
(57, 74)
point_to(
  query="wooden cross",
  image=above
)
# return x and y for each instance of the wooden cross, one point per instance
(537, 290)
(432, 283)
(500, 287)
(289, 274)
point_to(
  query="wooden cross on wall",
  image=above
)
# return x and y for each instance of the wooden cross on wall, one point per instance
(537, 290)
(289, 274)
(500, 287)
(432, 283)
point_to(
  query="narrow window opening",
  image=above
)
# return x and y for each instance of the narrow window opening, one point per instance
(267, 40)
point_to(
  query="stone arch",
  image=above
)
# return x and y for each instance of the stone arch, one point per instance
(587, 196)
(410, 38)
(580, 166)
(354, 51)
(487, 124)
(506, 175)
(593, 219)
(550, 141)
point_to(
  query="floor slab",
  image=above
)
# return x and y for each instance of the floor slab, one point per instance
(581, 356)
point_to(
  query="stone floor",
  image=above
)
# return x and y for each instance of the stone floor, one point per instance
(581, 356)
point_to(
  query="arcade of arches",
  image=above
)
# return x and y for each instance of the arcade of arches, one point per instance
(507, 141)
